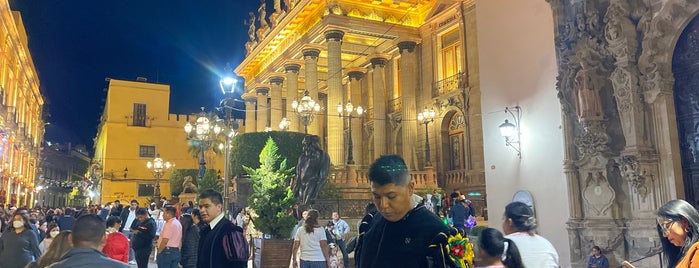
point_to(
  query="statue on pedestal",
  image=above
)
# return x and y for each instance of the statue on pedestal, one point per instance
(311, 171)
(188, 186)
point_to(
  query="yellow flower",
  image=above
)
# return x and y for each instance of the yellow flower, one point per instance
(460, 250)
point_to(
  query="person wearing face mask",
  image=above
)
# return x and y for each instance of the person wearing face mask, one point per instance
(19, 245)
(52, 232)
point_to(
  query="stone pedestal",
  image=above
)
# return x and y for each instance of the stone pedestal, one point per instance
(184, 198)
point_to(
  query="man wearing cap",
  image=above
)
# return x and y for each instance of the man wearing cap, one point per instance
(458, 213)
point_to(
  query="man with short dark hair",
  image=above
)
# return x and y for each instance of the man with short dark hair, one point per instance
(169, 240)
(212, 249)
(402, 234)
(88, 237)
(144, 233)
(128, 221)
(66, 222)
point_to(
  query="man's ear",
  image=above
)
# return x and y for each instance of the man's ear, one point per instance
(411, 186)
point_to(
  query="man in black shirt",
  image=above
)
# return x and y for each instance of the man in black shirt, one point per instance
(144, 233)
(403, 233)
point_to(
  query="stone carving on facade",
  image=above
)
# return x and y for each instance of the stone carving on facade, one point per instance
(693, 146)
(263, 30)
(252, 41)
(395, 120)
(277, 14)
(630, 171)
(598, 194)
(589, 106)
(592, 142)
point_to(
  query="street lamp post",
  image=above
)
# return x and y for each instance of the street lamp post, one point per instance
(158, 167)
(204, 133)
(307, 107)
(346, 110)
(425, 117)
(228, 86)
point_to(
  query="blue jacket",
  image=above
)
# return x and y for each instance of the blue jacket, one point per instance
(87, 257)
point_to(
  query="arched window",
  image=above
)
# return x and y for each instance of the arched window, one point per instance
(457, 128)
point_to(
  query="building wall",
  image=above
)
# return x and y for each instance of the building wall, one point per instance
(118, 141)
(21, 120)
(518, 67)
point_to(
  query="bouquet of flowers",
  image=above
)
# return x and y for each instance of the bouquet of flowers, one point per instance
(460, 251)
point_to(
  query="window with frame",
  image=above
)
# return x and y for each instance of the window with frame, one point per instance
(451, 53)
(145, 189)
(457, 127)
(146, 151)
(139, 115)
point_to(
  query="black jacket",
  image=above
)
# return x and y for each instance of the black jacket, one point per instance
(87, 257)
(190, 246)
(211, 250)
(418, 240)
(146, 233)
(124, 215)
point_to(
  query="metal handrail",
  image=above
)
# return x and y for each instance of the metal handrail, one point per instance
(660, 258)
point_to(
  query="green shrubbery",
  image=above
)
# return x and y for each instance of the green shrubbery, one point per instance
(272, 198)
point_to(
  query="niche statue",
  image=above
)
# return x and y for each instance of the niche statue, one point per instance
(311, 170)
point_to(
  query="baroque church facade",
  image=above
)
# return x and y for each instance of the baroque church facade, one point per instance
(395, 59)
(606, 88)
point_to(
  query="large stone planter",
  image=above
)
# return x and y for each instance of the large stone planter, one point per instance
(271, 253)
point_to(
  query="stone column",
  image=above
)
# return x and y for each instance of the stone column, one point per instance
(379, 87)
(275, 101)
(292, 88)
(355, 78)
(262, 109)
(336, 139)
(250, 120)
(408, 85)
(310, 57)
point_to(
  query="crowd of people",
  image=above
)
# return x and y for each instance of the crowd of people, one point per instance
(116, 236)
(398, 230)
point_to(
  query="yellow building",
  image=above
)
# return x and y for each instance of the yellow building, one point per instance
(135, 127)
(394, 58)
(21, 121)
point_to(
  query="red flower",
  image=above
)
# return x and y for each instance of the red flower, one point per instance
(457, 251)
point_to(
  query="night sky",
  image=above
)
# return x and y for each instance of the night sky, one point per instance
(76, 44)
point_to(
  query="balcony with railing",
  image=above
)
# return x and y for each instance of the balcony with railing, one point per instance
(449, 84)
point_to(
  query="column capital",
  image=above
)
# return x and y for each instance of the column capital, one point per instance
(356, 75)
(278, 80)
(311, 52)
(292, 67)
(378, 62)
(409, 45)
(335, 35)
(249, 98)
(262, 90)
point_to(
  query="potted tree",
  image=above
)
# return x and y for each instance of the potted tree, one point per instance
(272, 201)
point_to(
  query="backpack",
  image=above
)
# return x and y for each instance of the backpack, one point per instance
(235, 245)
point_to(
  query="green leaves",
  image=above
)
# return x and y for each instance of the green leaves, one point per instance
(272, 198)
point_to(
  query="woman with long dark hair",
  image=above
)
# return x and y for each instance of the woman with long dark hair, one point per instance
(60, 246)
(497, 251)
(190, 241)
(312, 242)
(519, 225)
(678, 227)
(19, 245)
